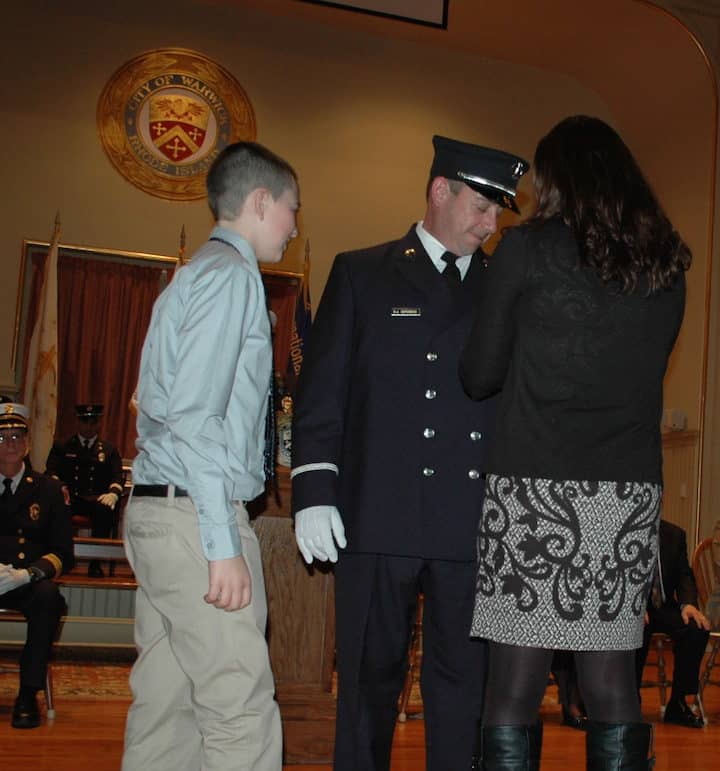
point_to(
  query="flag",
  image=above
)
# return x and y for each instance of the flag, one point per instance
(302, 319)
(41, 372)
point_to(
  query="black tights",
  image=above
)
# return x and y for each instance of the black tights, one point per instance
(518, 677)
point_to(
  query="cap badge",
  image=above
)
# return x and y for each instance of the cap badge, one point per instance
(518, 170)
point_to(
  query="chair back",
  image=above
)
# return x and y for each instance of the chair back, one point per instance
(706, 570)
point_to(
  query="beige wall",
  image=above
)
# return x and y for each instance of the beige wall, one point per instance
(354, 114)
(353, 106)
(703, 18)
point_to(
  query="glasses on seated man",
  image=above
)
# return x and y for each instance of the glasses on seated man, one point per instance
(12, 436)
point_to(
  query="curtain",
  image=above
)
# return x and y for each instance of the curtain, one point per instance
(104, 309)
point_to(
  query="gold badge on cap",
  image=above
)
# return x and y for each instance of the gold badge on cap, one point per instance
(35, 512)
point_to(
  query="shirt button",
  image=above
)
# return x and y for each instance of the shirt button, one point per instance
(428, 472)
(431, 393)
(429, 433)
(210, 545)
(474, 473)
(431, 356)
(475, 436)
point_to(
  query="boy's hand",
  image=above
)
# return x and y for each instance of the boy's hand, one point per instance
(230, 586)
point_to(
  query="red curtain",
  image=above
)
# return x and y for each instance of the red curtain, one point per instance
(282, 295)
(104, 310)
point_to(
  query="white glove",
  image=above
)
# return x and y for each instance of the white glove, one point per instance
(108, 499)
(11, 578)
(315, 529)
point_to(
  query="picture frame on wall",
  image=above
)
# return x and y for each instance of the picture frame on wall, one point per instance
(430, 13)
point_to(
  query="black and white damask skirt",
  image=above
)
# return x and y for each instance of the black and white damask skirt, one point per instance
(565, 564)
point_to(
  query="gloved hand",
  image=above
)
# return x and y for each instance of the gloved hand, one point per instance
(11, 578)
(315, 528)
(108, 499)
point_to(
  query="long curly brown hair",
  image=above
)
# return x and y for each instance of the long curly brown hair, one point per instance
(586, 175)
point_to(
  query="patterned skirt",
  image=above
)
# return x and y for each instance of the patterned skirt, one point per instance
(565, 564)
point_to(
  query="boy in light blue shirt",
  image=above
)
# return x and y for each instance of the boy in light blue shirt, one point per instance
(203, 691)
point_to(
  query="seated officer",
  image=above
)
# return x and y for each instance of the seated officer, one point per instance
(672, 609)
(92, 470)
(35, 546)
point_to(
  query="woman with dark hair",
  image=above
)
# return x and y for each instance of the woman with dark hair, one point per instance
(576, 323)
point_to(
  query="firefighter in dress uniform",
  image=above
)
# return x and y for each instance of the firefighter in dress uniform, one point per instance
(388, 454)
(35, 546)
(92, 470)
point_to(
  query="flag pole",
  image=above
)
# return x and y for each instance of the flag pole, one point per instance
(181, 250)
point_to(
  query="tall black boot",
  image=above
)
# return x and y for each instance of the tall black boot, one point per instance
(619, 746)
(511, 747)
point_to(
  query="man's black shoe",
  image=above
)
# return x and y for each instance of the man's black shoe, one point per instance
(579, 722)
(679, 712)
(95, 571)
(25, 712)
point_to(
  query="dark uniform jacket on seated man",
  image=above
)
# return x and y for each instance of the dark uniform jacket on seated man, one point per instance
(35, 535)
(89, 473)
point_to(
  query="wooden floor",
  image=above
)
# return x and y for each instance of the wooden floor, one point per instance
(87, 736)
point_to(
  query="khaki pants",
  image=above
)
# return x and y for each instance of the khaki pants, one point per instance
(203, 691)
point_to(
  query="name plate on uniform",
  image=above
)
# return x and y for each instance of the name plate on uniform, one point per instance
(406, 312)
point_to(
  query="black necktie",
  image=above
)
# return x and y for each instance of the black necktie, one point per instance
(451, 272)
(7, 492)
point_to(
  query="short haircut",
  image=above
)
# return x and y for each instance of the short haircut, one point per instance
(241, 168)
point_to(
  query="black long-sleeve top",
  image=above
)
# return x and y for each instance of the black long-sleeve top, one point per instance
(580, 364)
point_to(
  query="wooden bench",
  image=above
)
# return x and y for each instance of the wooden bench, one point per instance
(104, 549)
(110, 550)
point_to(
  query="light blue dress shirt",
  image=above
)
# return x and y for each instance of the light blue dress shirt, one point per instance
(203, 387)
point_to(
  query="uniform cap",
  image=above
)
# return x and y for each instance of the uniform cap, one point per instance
(493, 173)
(88, 410)
(14, 415)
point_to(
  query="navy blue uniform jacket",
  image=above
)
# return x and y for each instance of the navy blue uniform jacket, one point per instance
(379, 396)
(35, 526)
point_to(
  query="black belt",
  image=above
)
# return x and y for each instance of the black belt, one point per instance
(157, 491)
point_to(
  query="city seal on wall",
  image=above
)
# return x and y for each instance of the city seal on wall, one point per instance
(165, 115)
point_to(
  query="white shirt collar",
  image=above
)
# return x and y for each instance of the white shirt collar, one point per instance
(15, 480)
(435, 251)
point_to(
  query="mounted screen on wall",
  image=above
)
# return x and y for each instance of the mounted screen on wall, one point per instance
(432, 13)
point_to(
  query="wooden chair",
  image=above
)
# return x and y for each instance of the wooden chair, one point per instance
(110, 550)
(707, 580)
(14, 616)
(414, 662)
(659, 644)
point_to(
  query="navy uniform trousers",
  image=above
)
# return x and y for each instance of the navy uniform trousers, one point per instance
(377, 598)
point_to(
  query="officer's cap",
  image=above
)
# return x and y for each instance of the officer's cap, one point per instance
(14, 415)
(493, 173)
(88, 411)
